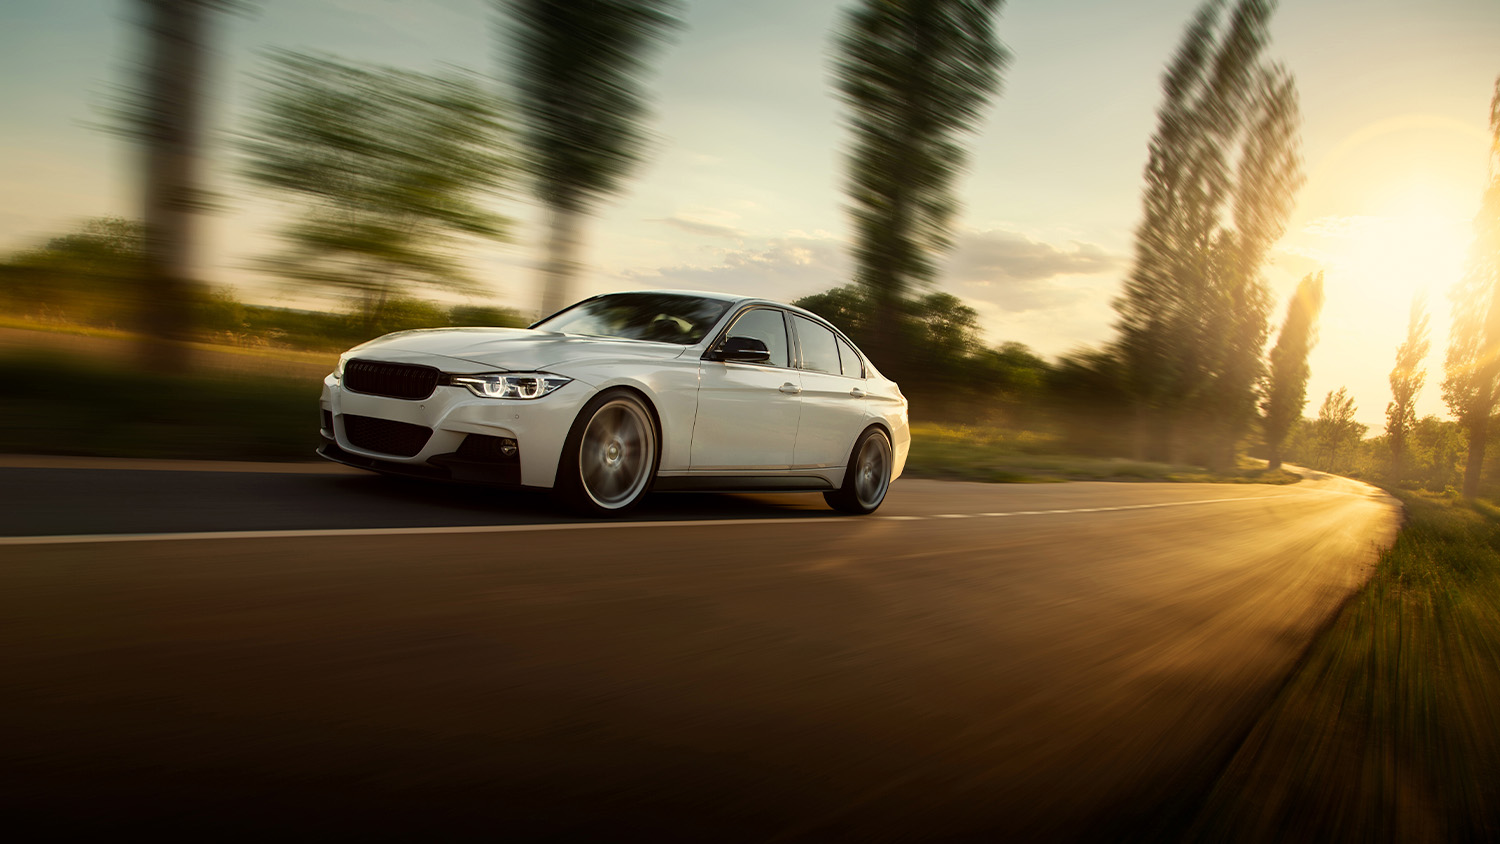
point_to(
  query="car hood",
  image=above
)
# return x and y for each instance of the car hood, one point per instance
(514, 349)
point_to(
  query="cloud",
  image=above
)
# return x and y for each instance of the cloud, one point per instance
(998, 255)
(700, 227)
(1019, 274)
(782, 268)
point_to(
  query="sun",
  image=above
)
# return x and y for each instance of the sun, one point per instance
(1417, 242)
(1409, 243)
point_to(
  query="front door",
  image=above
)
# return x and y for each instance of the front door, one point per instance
(748, 412)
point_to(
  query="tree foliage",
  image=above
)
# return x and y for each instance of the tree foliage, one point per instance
(915, 76)
(1407, 379)
(1222, 170)
(91, 275)
(391, 168)
(1286, 390)
(945, 363)
(1335, 435)
(1471, 381)
(579, 69)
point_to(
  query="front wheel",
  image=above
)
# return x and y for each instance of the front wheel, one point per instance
(867, 478)
(610, 456)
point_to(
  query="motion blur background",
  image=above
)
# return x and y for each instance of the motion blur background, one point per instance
(319, 173)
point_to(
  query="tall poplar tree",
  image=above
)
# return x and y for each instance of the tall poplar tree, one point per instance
(915, 76)
(1222, 170)
(1472, 364)
(579, 69)
(1407, 379)
(1286, 392)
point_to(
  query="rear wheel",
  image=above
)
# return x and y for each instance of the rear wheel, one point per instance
(610, 456)
(867, 478)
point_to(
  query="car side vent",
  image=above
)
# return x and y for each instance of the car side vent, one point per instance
(392, 380)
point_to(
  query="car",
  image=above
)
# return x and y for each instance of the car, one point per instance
(622, 394)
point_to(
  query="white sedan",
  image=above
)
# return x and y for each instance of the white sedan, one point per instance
(625, 393)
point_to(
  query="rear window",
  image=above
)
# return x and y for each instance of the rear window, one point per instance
(820, 351)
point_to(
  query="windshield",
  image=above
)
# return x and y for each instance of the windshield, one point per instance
(660, 317)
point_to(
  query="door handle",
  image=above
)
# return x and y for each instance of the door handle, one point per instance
(790, 389)
(857, 393)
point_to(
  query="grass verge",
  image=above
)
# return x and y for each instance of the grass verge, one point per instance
(997, 456)
(1390, 728)
(61, 404)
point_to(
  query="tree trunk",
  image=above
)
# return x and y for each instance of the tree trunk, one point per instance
(1142, 434)
(1478, 437)
(1221, 454)
(562, 260)
(172, 133)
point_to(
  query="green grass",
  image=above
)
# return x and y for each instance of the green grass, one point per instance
(57, 404)
(998, 456)
(1390, 728)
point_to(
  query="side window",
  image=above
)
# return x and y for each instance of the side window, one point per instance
(820, 351)
(767, 326)
(850, 358)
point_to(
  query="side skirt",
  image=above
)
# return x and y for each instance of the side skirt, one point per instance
(744, 483)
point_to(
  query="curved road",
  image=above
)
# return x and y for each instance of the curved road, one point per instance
(305, 648)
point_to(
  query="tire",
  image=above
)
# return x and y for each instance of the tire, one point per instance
(868, 477)
(610, 457)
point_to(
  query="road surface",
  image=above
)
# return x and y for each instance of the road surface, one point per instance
(249, 652)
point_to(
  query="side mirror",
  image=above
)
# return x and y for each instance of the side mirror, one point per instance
(742, 350)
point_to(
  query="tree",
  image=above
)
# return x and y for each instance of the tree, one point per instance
(914, 75)
(1407, 379)
(89, 275)
(392, 166)
(1471, 382)
(1334, 432)
(939, 335)
(579, 71)
(1269, 174)
(940, 338)
(1286, 392)
(1192, 315)
(167, 117)
(847, 307)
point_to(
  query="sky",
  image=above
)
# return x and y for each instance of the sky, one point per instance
(742, 191)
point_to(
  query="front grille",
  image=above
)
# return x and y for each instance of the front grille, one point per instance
(392, 380)
(401, 439)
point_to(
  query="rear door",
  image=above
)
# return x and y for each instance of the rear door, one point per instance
(748, 412)
(833, 402)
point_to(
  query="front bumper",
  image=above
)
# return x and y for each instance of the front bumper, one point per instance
(539, 427)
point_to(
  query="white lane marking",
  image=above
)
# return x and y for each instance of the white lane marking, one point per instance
(411, 531)
(103, 538)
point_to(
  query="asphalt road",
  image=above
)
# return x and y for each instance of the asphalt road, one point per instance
(247, 653)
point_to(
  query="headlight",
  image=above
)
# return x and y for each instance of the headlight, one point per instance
(338, 371)
(509, 385)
